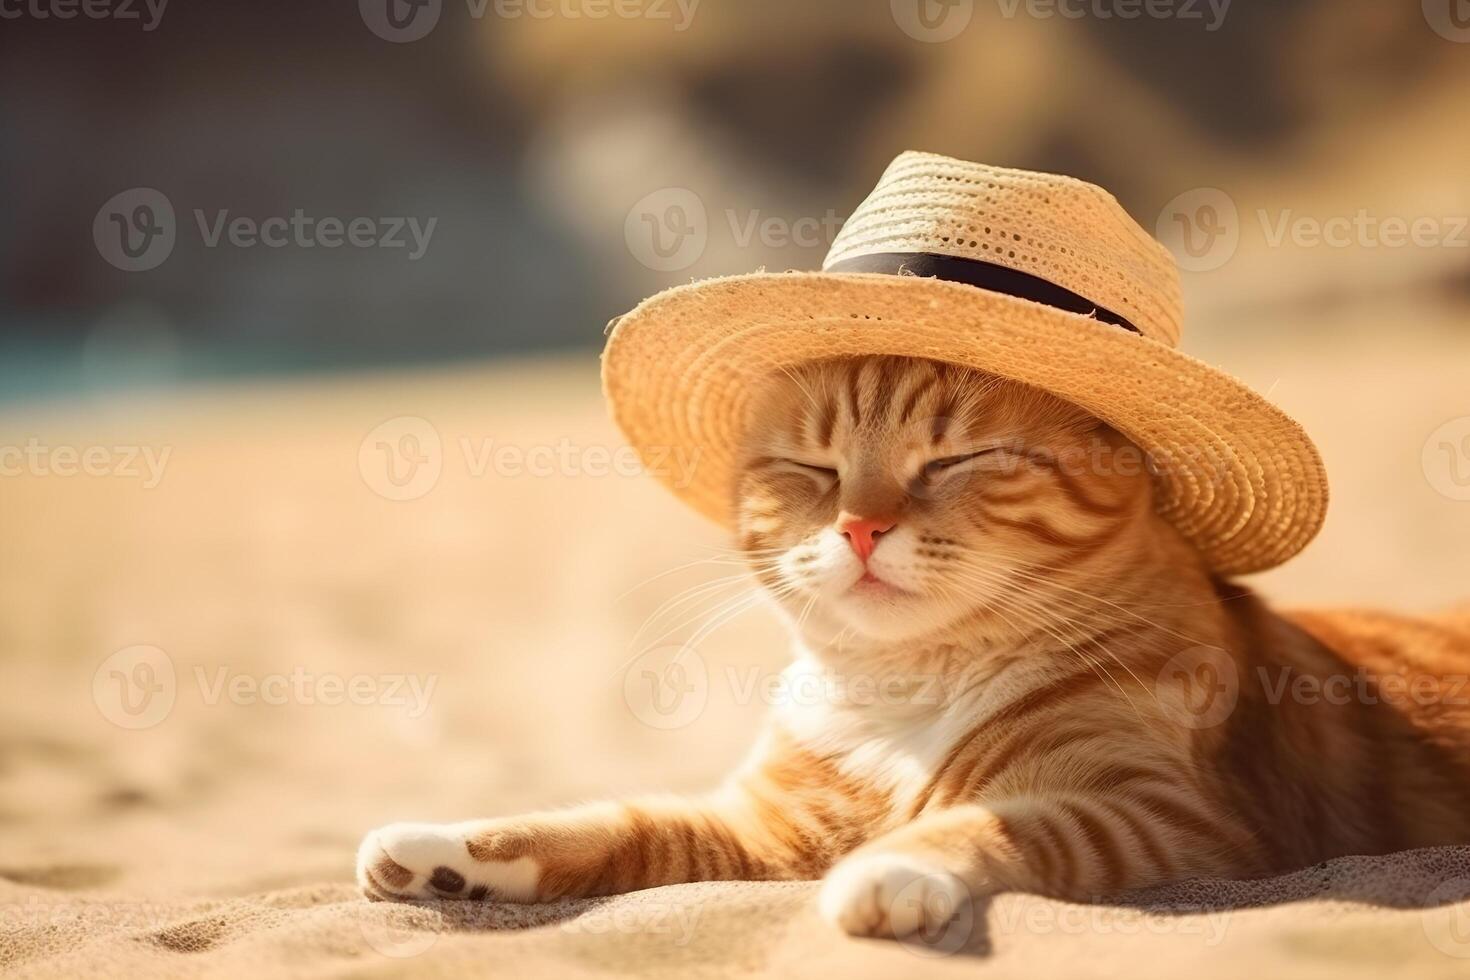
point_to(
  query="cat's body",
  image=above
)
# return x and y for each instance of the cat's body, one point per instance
(1028, 680)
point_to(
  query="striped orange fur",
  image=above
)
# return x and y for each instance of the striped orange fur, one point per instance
(1100, 712)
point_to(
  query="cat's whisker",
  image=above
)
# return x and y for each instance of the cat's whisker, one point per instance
(672, 571)
(755, 598)
(1055, 627)
(721, 607)
(1051, 583)
(701, 615)
(687, 597)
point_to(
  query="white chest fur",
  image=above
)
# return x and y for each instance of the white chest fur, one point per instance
(893, 729)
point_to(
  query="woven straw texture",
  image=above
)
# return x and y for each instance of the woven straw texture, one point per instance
(1238, 477)
(1063, 230)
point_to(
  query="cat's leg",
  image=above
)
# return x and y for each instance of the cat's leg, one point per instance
(917, 876)
(597, 849)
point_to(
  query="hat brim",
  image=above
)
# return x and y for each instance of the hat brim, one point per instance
(1236, 475)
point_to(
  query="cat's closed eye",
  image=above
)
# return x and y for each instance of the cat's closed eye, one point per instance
(809, 468)
(936, 470)
(937, 466)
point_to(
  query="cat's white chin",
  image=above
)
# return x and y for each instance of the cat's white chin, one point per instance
(871, 586)
(883, 611)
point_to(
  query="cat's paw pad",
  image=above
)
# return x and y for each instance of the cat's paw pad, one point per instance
(411, 861)
(891, 895)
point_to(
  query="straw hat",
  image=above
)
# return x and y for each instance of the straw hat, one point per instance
(1039, 278)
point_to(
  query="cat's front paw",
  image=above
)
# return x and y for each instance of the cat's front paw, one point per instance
(891, 895)
(413, 861)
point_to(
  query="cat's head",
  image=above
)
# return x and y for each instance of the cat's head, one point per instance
(896, 497)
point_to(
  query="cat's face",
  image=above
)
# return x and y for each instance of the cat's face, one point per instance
(895, 497)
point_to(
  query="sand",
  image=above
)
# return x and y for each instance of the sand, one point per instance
(320, 659)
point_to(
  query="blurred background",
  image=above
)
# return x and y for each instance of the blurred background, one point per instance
(300, 311)
(527, 130)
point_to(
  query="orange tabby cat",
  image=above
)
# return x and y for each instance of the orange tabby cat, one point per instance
(1071, 704)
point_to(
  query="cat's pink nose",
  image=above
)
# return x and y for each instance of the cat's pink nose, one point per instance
(863, 533)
